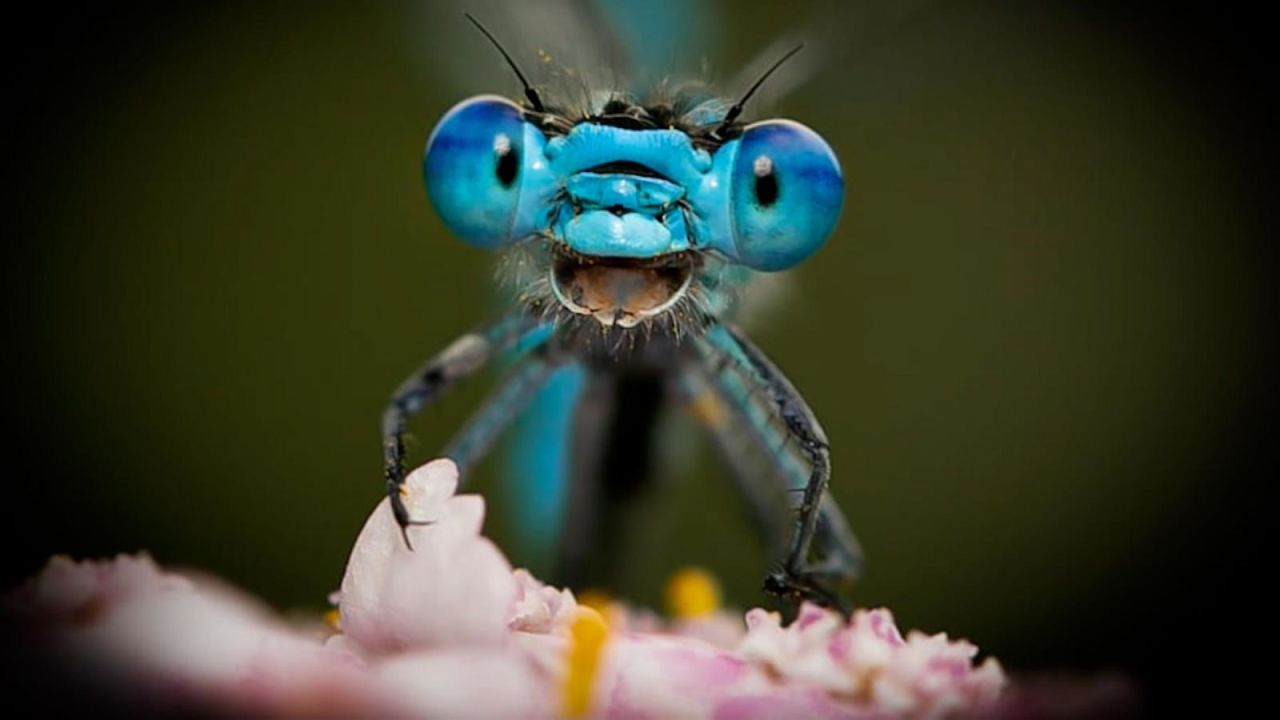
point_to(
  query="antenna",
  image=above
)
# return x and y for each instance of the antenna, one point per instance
(529, 92)
(736, 110)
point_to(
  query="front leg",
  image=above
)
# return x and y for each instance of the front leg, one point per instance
(464, 357)
(797, 578)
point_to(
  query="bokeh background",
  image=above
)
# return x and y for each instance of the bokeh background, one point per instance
(1039, 340)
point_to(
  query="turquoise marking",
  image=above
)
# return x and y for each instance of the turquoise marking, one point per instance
(649, 223)
(722, 339)
(538, 185)
(532, 338)
(657, 225)
(538, 464)
(669, 152)
(619, 190)
(633, 235)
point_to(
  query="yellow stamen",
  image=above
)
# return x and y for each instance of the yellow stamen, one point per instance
(597, 600)
(613, 612)
(588, 634)
(691, 593)
(333, 619)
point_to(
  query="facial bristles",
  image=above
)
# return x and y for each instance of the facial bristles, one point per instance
(617, 300)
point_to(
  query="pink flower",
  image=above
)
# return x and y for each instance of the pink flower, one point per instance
(454, 588)
(868, 662)
(818, 667)
(540, 608)
(477, 682)
(140, 634)
(450, 629)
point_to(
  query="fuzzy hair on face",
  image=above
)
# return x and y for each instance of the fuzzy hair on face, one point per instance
(525, 272)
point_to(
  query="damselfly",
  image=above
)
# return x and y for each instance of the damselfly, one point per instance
(630, 223)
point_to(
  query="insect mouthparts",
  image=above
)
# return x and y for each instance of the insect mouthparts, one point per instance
(626, 167)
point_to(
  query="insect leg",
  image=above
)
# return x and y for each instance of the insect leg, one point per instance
(798, 577)
(722, 401)
(736, 439)
(462, 358)
(515, 393)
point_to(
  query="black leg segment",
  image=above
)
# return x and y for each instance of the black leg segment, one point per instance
(464, 357)
(798, 576)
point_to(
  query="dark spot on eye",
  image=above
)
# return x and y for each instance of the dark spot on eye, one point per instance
(766, 189)
(508, 166)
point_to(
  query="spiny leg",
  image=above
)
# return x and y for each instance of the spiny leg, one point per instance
(723, 350)
(464, 357)
(497, 412)
(841, 551)
(739, 422)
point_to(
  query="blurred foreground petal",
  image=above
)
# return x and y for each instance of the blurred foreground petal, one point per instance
(158, 641)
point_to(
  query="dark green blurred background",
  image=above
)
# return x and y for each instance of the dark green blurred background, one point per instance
(1036, 341)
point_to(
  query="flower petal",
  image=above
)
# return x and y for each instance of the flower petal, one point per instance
(540, 608)
(151, 639)
(464, 683)
(454, 587)
(868, 663)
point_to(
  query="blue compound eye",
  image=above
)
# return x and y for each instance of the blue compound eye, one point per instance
(472, 169)
(786, 192)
